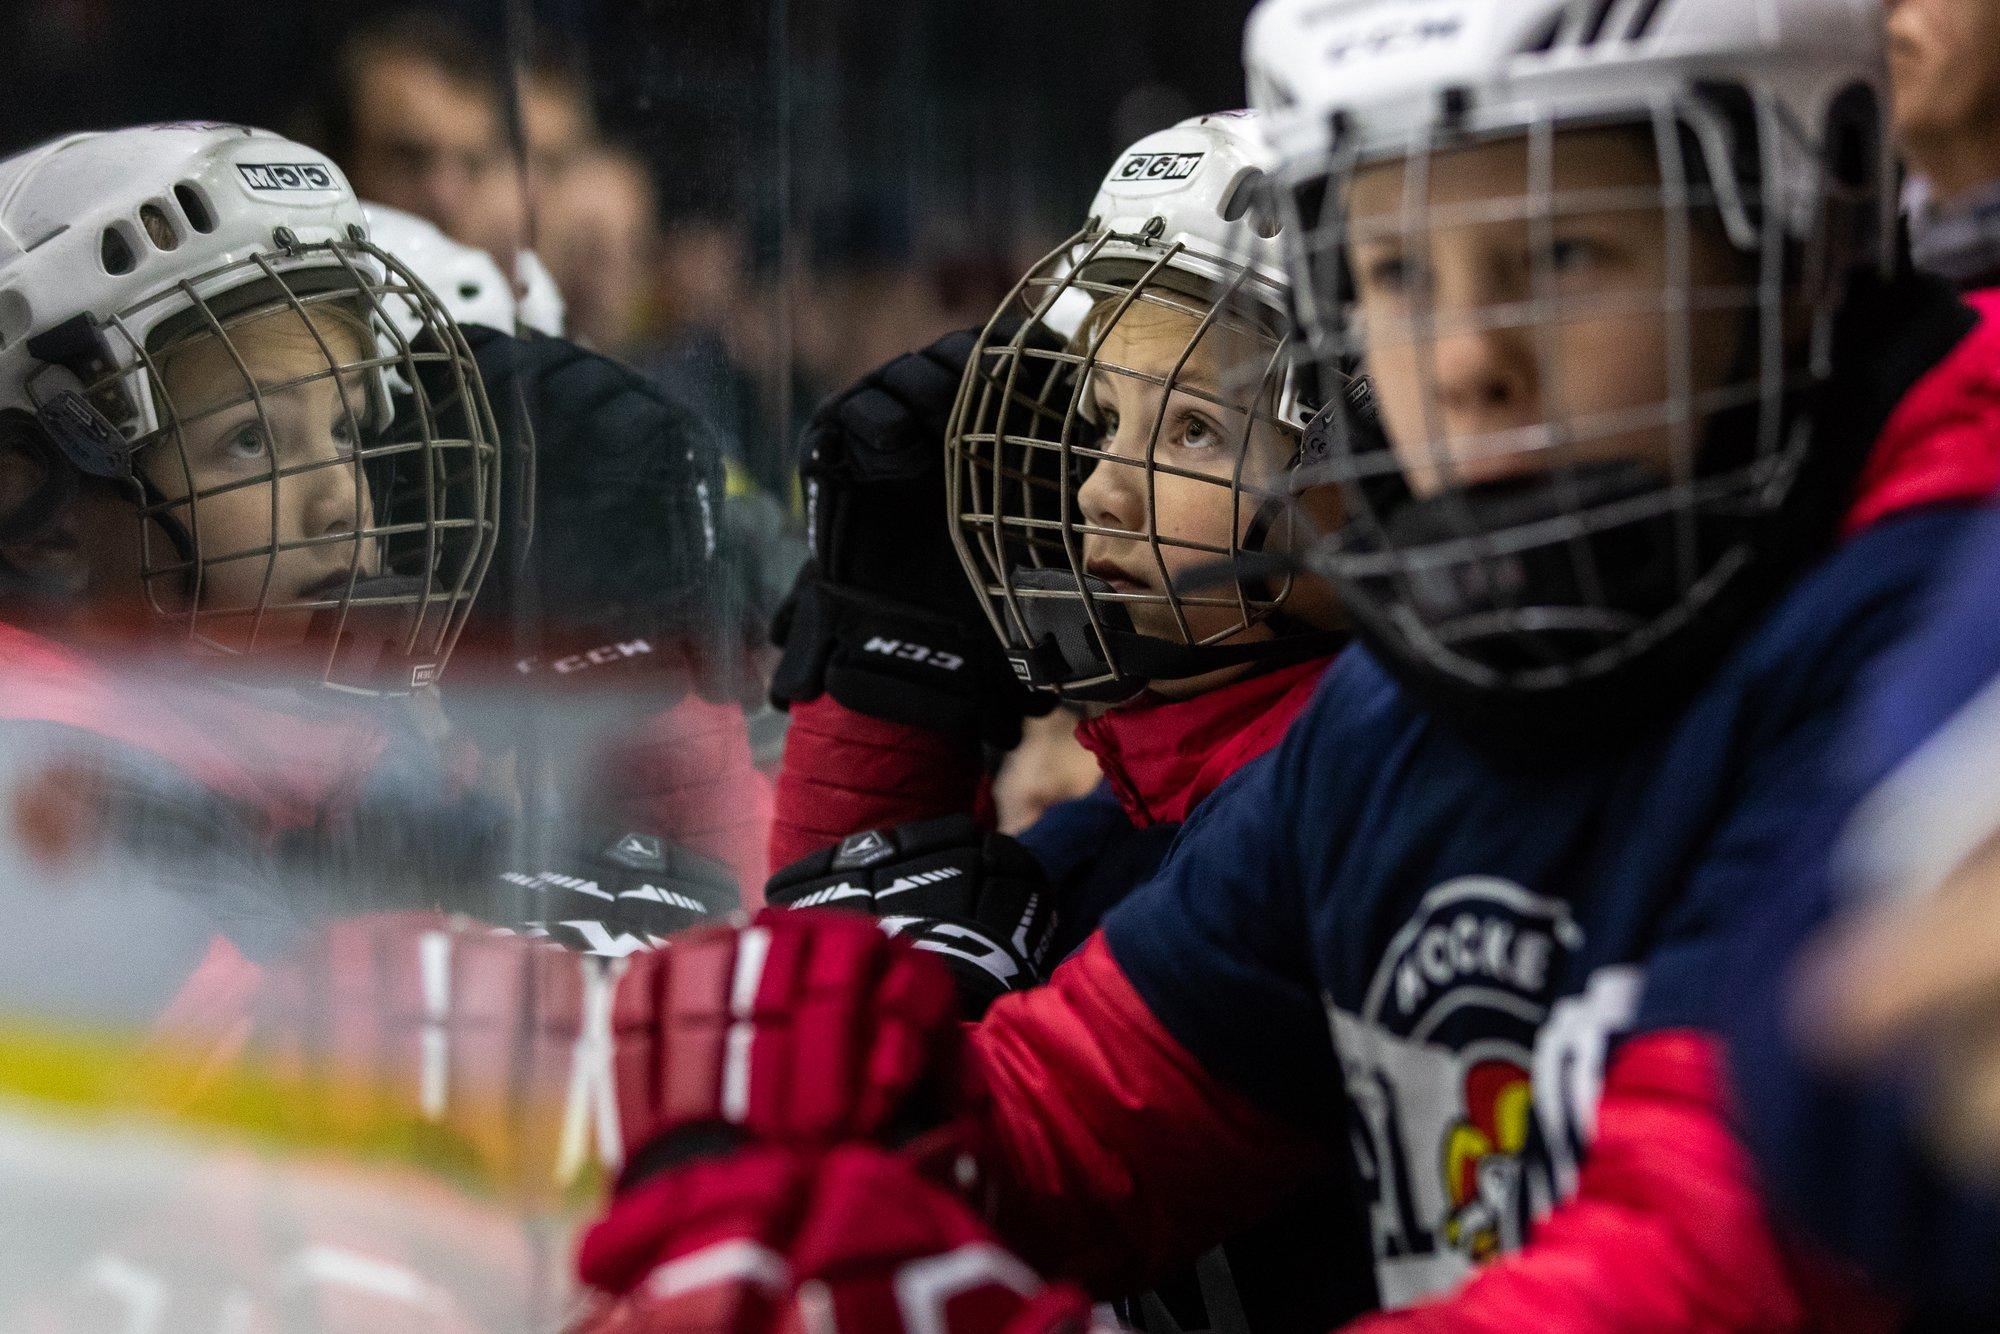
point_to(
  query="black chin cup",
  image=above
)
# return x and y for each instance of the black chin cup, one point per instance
(1542, 607)
(366, 637)
(1065, 649)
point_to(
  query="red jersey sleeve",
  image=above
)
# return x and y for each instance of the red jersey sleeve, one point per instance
(844, 772)
(1118, 1154)
(688, 776)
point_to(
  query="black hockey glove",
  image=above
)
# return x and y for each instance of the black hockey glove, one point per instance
(618, 893)
(622, 547)
(978, 901)
(882, 617)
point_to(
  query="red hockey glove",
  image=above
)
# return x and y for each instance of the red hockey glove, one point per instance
(443, 1038)
(849, 1240)
(804, 1030)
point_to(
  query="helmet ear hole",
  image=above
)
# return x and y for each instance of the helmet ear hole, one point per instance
(1250, 197)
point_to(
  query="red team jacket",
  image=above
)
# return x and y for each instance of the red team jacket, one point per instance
(844, 771)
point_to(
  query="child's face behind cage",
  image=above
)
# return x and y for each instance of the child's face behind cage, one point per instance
(1510, 326)
(1193, 437)
(266, 484)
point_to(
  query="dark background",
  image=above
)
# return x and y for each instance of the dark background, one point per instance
(916, 114)
(850, 153)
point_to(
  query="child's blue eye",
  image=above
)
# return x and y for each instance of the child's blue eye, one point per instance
(248, 442)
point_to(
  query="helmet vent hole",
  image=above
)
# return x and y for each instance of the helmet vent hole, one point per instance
(199, 215)
(116, 253)
(159, 227)
(1251, 198)
(1543, 39)
(1593, 23)
(1642, 22)
(469, 291)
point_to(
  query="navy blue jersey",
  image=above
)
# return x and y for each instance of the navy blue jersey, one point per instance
(1428, 949)
(1914, 793)
(1094, 856)
(1272, 1278)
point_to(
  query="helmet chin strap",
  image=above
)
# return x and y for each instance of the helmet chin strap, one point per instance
(1117, 660)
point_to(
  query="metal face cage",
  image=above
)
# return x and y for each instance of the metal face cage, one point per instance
(1587, 389)
(313, 455)
(1029, 433)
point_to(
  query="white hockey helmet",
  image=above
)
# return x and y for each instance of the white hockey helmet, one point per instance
(1765, 119)
(1761, 86)
(1182, 223)
(466, 280)
(117, 247)
(1195, 190)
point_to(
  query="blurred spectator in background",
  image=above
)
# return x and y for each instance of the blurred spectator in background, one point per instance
(558, 117)
(412, 111)
(1944, 65)
(703, 313)
(864, 298)
(597, 230)
(558, 128)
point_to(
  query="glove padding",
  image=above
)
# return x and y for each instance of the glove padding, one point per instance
(431, 1034)
(625, 484)
(882, 617)
(802, 1029)
(979, 901)
(619, 892)
(848, 1240)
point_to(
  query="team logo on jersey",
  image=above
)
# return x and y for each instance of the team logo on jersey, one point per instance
(1157, 167)
(1440, 1063)
(641, 852)
(286, 176)
(1479, 1152)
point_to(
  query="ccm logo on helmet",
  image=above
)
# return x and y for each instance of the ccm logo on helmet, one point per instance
(1398, 36)
(286, 176)
(1158, 166)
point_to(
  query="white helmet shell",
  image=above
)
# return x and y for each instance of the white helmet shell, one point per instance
(1392, 75)
(1190, 200)
(540, 306)
(117, 245)
(128, 227)
(1195, 187)
(467, 281)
